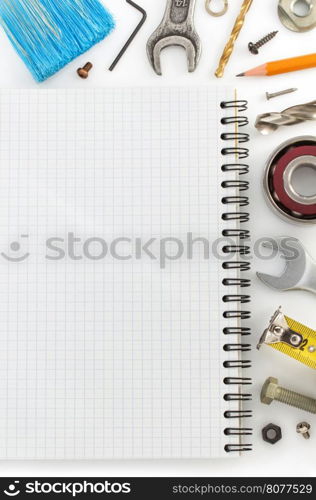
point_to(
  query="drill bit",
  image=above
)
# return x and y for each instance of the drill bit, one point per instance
(232, 39)
(269, 122)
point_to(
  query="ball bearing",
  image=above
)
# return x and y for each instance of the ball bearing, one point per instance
(280, 189)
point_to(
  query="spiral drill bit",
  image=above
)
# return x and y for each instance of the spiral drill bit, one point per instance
(232, 39)
(270, 122)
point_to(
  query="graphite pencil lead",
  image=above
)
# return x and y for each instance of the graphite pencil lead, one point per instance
(241, 74)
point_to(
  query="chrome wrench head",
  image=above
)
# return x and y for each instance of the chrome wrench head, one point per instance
(176, 28)
(296, 268)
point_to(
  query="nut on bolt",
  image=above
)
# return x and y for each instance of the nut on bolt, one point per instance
(271, 433)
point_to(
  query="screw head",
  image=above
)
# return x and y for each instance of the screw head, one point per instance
(268, 391)
(303, 427)
(82, 73)
(252, 48)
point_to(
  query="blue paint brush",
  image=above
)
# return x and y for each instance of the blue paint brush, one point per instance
(48, 34)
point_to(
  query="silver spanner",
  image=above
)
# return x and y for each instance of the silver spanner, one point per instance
(176, 28)
(299, 273)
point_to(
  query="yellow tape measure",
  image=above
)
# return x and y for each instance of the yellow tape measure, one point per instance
(292, 338)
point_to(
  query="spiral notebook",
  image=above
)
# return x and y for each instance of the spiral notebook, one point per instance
(123, 256)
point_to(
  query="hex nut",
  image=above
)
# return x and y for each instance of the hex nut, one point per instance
(271, 433)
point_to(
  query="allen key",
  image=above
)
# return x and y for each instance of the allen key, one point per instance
(131, 38)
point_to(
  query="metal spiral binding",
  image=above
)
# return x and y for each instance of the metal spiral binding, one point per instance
(238, 397)
(242, 283)
(242, 234)
(237, 431)
(242, 169)
(237, 247)
(237, 347)
(237, 381)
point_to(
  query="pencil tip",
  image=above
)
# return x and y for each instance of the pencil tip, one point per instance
(241, 74)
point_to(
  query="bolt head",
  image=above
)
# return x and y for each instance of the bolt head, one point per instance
(253, 49)
(268, 391)
(82, 73)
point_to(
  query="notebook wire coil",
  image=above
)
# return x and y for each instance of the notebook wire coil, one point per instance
(238, 250)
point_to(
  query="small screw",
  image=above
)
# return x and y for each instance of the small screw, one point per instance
(84, 72)
(254, 47)
(272, 391)
(303, 428)
(277, 94)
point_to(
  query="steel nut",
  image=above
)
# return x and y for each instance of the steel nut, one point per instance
(271, 433)
(295, 21)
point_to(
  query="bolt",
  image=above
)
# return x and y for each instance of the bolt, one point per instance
(254, 47)
(303, 428)
(84, 72)
(277, 94)
(272, 391)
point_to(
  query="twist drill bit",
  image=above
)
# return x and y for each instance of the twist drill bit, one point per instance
(270, 122)
(232, 39)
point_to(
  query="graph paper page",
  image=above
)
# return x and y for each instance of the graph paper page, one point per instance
(111, 338)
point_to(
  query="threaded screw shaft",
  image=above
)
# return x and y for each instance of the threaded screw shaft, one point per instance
(292, 398)
(272, 391)
(254, 47)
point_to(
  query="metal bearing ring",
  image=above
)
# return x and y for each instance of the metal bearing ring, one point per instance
(278, 180)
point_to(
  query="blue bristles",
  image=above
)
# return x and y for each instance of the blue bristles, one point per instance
(48, 34)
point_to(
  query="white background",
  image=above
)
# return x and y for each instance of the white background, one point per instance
(293, 456)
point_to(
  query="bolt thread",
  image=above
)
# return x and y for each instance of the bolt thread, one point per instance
(265, 39)
(294, 399)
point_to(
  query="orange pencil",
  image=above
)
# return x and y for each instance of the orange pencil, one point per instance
(283, 66)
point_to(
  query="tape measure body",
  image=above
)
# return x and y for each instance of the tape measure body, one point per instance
(306, 352)
(292, 338)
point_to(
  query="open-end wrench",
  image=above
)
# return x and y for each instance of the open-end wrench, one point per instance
(176, 28)
(299, 273)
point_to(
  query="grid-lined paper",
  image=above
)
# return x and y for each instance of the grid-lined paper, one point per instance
(102, 357)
